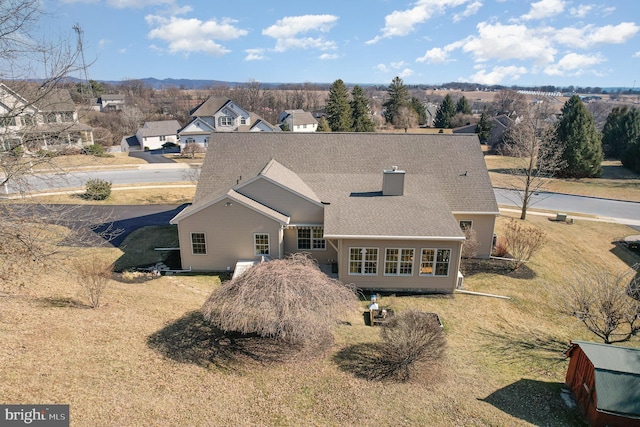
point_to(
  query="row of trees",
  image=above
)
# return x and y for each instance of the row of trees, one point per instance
(621, 137)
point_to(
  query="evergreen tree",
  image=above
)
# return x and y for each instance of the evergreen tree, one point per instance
(613, 134)
(397, 96)
(445, 113)
(360, 111)
(462, 106)
(483, 129)
(338, 108)
(323, 125)
(578, 139)
(630, 148)
(420, 110)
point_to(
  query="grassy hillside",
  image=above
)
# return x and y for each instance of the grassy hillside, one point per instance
(147, 358)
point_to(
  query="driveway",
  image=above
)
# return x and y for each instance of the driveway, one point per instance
(154, 156)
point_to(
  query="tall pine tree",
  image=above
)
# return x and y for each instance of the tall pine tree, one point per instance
(462, 106)
(420, 110)
(338, 108)
(397, 96)
(445, 113)
(360, 111)
(578, 139)
(483, 129)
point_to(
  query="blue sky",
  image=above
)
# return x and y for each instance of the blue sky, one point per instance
(508, 42)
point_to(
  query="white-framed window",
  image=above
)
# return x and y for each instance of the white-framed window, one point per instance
(225, 121)
(435, 262)
(243, 121)
(163, 138)
(398, 261)
(363, 261)
(206, 142)
(261, 243)
(311, 238)
(466, 224)
(198, 244)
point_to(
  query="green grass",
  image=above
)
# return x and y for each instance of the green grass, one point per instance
(138, 249)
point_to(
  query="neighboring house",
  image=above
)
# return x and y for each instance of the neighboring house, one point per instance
(219, 114)
(110, 102)
(499, 126)
(298, 121)
(154, 134)
(340, 197)
(605, 382)
(40, 118)
(430, 113)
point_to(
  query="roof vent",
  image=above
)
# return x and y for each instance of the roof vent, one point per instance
(393, 182)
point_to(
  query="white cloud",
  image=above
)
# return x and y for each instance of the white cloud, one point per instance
(435, 55)
(574, 64)
(471, 9)
(581, 11)
(615, 34)
(405, 73)
(498, 74)
(328, 56)
(544, 9)
(255, 55)
(382, 68)
(194, 35)
(637, 54)
(288, 31)
(402, 22)
(502, 42)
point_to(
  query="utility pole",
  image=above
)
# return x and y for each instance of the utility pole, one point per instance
(79, 33)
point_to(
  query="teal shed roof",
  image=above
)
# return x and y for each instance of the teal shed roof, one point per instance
(617, 377)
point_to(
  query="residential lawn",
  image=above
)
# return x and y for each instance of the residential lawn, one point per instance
(146, 357)
(142, 194)
(616, 182)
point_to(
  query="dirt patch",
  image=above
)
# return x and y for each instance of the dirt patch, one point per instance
(501, 267)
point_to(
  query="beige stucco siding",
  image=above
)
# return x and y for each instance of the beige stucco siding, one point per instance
(484, 226)
(299, 209)
(380, 281)
(229, 237)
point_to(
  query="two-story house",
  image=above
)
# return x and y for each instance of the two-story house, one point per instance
(40, 118)
(219, 114)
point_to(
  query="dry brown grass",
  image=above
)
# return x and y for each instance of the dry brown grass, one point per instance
(165, 194)
(616, 183)
(145, 357)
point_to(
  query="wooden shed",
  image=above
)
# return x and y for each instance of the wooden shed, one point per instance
(605, 382)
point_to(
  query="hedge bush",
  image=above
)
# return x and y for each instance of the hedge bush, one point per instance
(97, 189)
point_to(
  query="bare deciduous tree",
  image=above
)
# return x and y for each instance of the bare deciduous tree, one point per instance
(409, 339)
(191, 149)
(405, 118)
(601, 299)
(522, 241)
(289, 299)
(536, 159)
(93, 276)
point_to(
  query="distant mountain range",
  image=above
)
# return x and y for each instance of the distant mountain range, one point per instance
(205, 84)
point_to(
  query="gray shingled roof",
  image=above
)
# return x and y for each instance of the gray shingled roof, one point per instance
(160, 127)
(289, 179)
(444, 174)
(209, 107)
(617, 376)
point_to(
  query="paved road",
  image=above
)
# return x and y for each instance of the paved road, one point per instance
(141, 174)
(622, 212)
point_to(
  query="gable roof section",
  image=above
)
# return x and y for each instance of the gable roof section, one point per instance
(159, 128)
(236, 197)
(451, 165)
(288, 179)
(196, 126)
(617, 376)
(359, 210)
(209, 107)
